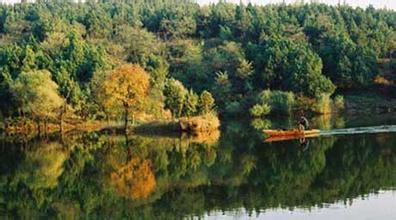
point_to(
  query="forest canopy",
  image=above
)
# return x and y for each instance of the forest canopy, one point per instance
(232, 52)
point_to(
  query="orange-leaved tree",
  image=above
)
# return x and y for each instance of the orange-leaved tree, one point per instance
(127, 88)
(135, 179)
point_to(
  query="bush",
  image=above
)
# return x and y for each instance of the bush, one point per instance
(260, 124)
(322, 104)
(279, 102)
(339, 102)
(260, 110)
(206, 102)
(202, 123)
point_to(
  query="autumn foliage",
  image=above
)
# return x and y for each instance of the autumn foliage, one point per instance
(135, 179)
(126, 87)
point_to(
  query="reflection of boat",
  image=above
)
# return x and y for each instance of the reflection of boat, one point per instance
(281, 135)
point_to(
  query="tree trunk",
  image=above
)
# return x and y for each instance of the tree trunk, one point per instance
(179, 112)
(45, 126)
(126, 118)
(6, 124)
(38, 127)
(129, 152)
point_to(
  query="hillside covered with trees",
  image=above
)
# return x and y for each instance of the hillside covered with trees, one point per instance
(169, 58)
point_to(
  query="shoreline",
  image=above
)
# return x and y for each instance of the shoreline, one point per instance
(191, 125)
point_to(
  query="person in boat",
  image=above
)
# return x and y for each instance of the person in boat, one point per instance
(304, 143)
(303, 123)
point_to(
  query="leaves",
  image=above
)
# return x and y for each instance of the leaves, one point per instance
(308, 50)
(37, 93)
(135, 179)
(175, 95)
(126, 87)
(206, 102)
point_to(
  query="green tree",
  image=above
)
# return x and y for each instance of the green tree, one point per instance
(37, 94)
(245, 69)
(29, 60)
(191, 104)
(306, 49)
(287, 66)
(260, 110)
(206, 102)
(276, 102)
(185, 59)
(138, 44)
(175, 95)
(159, 70)
(347, 64)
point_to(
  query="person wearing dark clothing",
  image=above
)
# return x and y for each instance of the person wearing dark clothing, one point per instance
(304, 143)
(303, 123)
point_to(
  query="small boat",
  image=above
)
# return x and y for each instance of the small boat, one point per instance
(294, 132)
(281, 135)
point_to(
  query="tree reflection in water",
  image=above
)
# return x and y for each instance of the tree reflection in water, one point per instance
(134, 180)
(172, 177)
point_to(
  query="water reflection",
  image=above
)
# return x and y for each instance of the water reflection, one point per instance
(172, 177)
(41, 167)
(135, 179)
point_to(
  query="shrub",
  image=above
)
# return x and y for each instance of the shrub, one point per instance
(279, 102)
(260, 110)
(202, 123)
(380, 80)
(260, 124)
(190, 104)
(206, 102)
(322, 104)
(339, 102)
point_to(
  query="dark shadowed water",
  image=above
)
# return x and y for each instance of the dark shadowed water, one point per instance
(223, 175)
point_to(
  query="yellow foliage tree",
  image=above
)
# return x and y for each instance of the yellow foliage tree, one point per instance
(135, 179)
(126, 87)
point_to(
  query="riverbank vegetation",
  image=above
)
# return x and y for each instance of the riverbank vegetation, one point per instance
(142, 61)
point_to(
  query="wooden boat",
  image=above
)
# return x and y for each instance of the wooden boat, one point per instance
(294, 132)
(286, 138)
(282, 135)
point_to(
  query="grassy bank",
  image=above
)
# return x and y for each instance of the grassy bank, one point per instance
(31, 128)
(196, 124)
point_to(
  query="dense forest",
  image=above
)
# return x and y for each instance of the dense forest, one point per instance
(174, 58)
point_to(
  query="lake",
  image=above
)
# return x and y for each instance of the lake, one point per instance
(230, 174)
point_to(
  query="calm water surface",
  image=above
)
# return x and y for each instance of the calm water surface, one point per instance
(230, 174)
